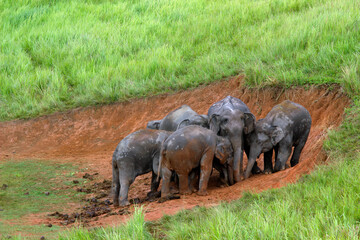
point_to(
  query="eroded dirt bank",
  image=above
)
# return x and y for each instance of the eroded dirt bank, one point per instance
(88, 136)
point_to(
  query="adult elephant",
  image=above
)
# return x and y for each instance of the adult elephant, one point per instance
(178, 118)
(231, 118)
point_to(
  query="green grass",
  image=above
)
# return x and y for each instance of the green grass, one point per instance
(133, 229)
(33, 177)
(56, 55)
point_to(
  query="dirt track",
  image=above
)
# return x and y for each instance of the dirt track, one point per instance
(88, 136)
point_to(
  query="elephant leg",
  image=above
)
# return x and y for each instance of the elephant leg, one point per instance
(205, 171)
(223, 173)
(255, 169)
(154, 185)
(115, 185)
(166, 176)
(192, 179)
(296, 154)
(184, 184)
(283, 155)
(268, 167)
(125, 182)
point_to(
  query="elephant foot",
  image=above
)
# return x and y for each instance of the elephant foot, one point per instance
(116, 203)
(124, 203)
(256, 170)
(267, 171)
(167, 198)
(151, 195)
(202, 193)
(287, 166)
(186, 192)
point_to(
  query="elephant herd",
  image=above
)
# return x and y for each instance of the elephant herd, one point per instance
(186, 146)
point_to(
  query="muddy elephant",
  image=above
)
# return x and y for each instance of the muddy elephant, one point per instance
(137, 154)
(178, 118)
(231, 118)
(287, 125)
(188, 148)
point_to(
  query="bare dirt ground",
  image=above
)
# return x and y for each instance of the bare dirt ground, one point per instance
(88, 137)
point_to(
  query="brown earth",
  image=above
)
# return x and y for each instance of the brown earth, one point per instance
(88, 137)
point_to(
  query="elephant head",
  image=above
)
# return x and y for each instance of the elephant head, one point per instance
(233, 124)
(200, 120)
(153, 124)
(224, 153)
(263, 139)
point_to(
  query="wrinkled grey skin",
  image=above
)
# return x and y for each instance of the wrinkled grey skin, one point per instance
(188, 148)
(153, 124)
(137, 154)
(287, 125)
(178, 118)
(231, 118)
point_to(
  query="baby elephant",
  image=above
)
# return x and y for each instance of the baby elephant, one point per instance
(136, 154)
(287, 125)
(188, 148)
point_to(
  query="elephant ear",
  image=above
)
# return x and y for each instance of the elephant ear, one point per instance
(219, 153)
(249, 123)
(205, 119)
(183, 123)
(277, 135)
(214, 123)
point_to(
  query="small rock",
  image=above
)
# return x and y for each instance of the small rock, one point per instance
(27, 193)
(1, 209)
(90, 214)
(42, 238)
(135, 201)
(107, 202)
(47, 193)
(123, 212)
(75, 181)
(66, 222)
(101, 195)
(94, 200)
(88, 176)
(49, 225)
(4, 187)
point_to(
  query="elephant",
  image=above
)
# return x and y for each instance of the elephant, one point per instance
(178, 118)
(137, 154)
(187, 149)
(231, 118)
(287, 125)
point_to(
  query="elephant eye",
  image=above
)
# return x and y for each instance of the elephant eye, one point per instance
(225, 120)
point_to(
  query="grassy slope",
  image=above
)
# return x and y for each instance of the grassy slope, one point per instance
(35, 178)
(56, 55)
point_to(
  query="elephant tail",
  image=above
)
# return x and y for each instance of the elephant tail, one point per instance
(162, 155)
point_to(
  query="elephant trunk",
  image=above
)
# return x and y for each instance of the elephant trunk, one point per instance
(254, 152)
(238, 159)
(230, 174)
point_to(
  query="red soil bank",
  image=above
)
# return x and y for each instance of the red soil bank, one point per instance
(88, 136)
